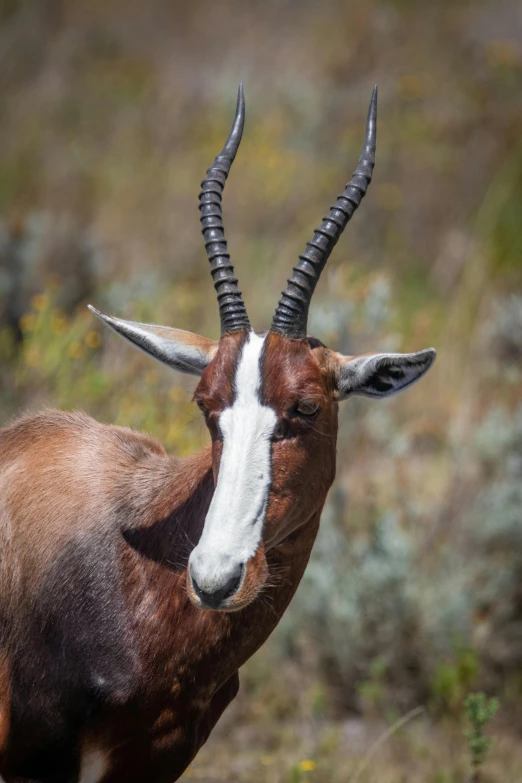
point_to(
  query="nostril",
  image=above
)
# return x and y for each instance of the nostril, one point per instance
(195, 585)
(214, 594)
(233, 583)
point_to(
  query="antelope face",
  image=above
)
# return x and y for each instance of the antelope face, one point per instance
(273, 425)
(269, 400)
(270, 404)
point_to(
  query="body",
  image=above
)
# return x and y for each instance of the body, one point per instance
(133, 585)
(135, 675)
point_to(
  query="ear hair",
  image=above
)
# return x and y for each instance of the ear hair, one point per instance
(183, 351)
(382, 374)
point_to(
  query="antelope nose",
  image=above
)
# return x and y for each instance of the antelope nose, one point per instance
(214, 592)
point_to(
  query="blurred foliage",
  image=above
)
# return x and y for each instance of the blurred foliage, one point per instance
(452, 680)
(110, 114)
(479, 711)
(59, 357)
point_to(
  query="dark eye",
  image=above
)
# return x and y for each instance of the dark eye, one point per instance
(202, 407)
(307, 408)
(282, 431)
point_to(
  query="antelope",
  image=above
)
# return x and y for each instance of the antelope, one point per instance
(133, 584)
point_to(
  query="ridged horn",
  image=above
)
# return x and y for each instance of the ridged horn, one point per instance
(232, 310)
(291, 315)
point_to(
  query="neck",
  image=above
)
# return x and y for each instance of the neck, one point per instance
(219, 642)
(187, 659)
(171, 498)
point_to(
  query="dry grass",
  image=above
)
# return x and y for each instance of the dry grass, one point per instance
(341, 752)
(110, 113)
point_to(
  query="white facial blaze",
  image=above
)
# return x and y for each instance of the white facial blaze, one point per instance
(234, 522)
(94, 766)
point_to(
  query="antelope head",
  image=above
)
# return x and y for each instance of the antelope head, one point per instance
(269, 399)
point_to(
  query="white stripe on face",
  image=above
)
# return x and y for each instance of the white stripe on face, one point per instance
(234, 523)
(94, 766)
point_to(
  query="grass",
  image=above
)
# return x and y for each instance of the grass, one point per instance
(352, 750)
(411, 595)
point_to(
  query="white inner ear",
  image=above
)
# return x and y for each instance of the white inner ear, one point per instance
(180, 350)
(383, 374)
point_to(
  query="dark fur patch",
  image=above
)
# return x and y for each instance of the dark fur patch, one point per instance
(169, 541)
(95, 624)
(76, 656)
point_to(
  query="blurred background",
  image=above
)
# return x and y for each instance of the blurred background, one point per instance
(110, 113)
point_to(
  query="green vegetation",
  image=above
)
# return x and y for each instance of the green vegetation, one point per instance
(479, 711)
(110, 114)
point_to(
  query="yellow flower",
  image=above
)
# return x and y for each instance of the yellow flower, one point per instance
(32, 358)
(59, 324)
(76, 350)
(27, 322)
(40, 302)
(93, 339)
(307, 765)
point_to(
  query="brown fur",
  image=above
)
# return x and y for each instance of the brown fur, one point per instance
(303, 466)
(4, 703)
(96, 527)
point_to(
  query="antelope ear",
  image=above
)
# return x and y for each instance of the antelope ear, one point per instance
(381, 374)
(183, 351)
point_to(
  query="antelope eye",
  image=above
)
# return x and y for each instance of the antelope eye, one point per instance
(307, 408)
(202, 407)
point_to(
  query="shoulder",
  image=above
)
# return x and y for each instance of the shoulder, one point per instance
(32, 428)
(58, 428)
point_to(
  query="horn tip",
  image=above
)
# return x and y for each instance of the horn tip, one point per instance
(373, 100)
(241, 98)
(98, 313)
(239, 122)
(371, 128)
